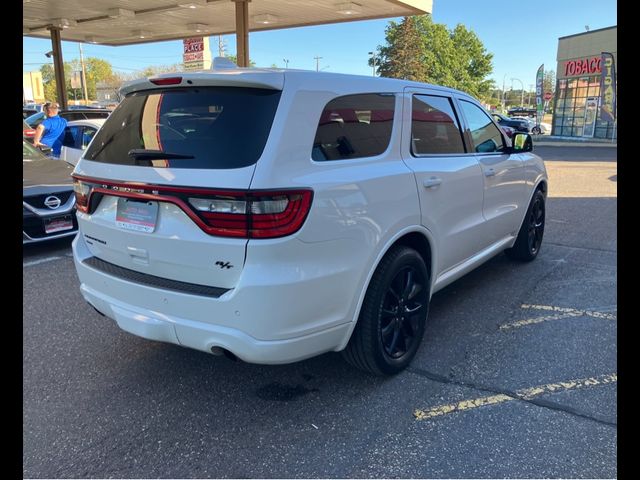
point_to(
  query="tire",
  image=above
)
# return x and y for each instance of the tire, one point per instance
(536, 130)
(529, 239)
(383, 342)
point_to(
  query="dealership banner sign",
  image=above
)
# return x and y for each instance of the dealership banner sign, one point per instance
(539, 94)
(608, 88)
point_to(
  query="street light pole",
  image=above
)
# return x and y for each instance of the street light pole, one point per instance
(317, 63)
(84, 78)
(521, 90)
(529, 98)
(503, 98)
(373, 55)
(286, 62)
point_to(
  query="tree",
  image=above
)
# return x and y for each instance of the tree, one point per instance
(402, 57)
(96, 70)
(234, 59)
(418, 49)
(549, 81)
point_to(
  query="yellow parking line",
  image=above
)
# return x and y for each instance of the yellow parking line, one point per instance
(589, 313)
(565, 313)
(523, 394)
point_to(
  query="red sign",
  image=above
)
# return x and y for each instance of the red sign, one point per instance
(193, 45)
(548, 95)
(582, 66)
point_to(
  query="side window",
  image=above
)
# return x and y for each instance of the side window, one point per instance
(71, 137)
(87, 135)
(434, 126)
(354, 126)
(485, 135)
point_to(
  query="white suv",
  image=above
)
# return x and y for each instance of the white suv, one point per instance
(273, 215)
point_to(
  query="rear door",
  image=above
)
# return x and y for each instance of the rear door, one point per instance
(449, 178)
(504, 186)
(154, 211)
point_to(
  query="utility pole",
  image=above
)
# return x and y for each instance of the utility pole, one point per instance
(84, 78)
(529, 97)
(373, 54)
(286, 62)
(221, 46)
(503, 97)
(317, 63)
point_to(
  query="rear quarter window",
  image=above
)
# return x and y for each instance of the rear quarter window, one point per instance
(354, 126)
(219, 127)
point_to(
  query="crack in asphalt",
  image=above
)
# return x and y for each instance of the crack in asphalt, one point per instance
(494, 390)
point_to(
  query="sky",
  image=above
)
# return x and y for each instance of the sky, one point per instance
(521, 36)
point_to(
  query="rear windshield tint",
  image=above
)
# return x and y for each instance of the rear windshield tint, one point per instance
(220, 127)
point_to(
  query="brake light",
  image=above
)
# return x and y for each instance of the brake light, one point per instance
(166, 81)
(82, 191)
(29, 133)
(254, 214)
(224, 213)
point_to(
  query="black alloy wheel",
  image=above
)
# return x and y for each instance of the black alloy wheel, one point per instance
(529, 240)
(401, 308)
(393, 315)
(536, 225)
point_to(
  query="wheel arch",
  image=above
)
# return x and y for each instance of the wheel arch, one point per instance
(420, 239)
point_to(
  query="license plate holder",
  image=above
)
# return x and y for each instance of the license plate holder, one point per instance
(58, 224)
(136, 215)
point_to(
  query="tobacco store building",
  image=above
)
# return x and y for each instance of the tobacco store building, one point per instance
(577, 98)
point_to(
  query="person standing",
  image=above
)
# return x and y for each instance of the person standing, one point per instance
(51, 131)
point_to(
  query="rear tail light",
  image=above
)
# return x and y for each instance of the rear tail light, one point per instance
(82, 191)
(255, 214)
(29, 133)
(224, 213)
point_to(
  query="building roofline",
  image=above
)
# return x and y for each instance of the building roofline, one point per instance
(587, 33)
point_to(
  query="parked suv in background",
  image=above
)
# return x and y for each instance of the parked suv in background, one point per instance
(276, 215)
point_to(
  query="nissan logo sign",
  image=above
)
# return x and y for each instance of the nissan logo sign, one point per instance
(52, 202)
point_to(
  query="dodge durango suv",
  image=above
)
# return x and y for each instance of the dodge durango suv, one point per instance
(274, 215)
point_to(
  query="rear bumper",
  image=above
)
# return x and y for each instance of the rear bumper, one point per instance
(202, 336)
(268, 324)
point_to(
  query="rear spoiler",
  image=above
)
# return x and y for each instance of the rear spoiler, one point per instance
(228, 77)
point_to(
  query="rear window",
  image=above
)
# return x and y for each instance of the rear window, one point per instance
(354, 126)
(219, 127)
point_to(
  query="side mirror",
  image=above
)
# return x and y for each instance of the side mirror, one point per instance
(521, 142)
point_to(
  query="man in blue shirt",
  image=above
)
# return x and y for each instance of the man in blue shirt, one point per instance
(51, 131)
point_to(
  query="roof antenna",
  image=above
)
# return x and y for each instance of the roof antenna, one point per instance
(220, 63)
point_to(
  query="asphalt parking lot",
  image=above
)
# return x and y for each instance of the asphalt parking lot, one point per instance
(516, 376)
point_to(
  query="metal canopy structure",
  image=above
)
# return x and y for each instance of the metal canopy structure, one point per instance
(128, 22)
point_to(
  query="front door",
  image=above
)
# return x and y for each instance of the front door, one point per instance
(503, 174)
(590, 114)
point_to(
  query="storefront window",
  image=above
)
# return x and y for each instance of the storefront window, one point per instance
(569, 114)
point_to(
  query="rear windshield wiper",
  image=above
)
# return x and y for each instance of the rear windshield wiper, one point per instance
(144, 154)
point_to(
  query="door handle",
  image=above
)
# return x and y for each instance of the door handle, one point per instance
(489, 172)
(432, 182)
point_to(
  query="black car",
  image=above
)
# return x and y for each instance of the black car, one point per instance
(48, 201)
(520, 125)
(522, 112)
(69, 115)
